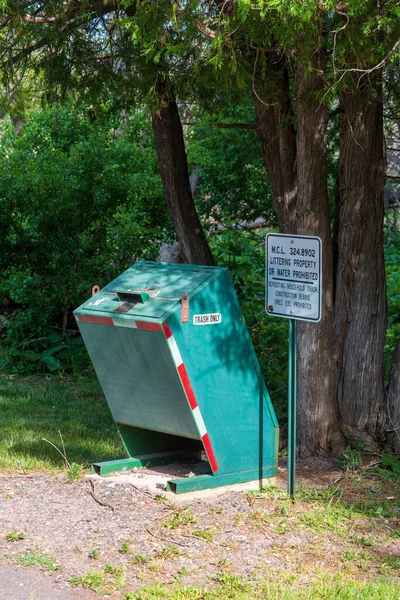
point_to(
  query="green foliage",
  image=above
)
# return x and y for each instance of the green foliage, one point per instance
(232, 185)
(38, 557)
(14, 536)
(392, 261)
(351, 458)
(79, 201)
(391, 461)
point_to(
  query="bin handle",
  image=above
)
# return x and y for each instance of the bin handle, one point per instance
(185, 308)
(95, 289)
(133, 297)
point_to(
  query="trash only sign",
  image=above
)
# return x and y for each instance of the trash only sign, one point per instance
(293, 276)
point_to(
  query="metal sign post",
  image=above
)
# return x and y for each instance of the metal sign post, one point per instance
(293, 291)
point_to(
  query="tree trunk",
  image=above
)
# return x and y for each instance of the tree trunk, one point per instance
(360, 303)
(275, 129)
(318, 431)
(393, 401)
(167, 128)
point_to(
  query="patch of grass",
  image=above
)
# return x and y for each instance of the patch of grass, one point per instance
(393, 562)
(140, 559)
(205, 534)
(104, 581)
(182, 517)
(37, 557)
(233, 587)
(14, 536)
(363, 540)
(74, 472)
(169, 552)
(125, 548)
(33, 408)
(95, 553)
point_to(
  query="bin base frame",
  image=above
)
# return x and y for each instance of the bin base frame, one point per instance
(204, 482)
(145, 460)
(184, 485)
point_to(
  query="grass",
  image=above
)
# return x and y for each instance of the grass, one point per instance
(34, 408)
(182, 517)
(37, 557)
(232, 587)
(14, 536)
(104, 581)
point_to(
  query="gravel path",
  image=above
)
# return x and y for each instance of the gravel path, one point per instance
(125, 536)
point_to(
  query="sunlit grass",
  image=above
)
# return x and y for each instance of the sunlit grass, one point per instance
(34, 408)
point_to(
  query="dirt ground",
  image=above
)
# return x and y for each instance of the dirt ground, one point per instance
(115, 537)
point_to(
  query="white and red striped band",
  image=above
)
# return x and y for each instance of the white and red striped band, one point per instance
(177, 358)
(119, 322)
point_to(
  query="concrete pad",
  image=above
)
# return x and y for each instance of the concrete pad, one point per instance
(154, 482)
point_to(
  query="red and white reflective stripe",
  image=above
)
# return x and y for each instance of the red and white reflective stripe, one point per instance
(177, 358)
(131, 323)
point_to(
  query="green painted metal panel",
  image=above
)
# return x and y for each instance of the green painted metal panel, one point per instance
(139, 379)
(174, 385)
(227, 380)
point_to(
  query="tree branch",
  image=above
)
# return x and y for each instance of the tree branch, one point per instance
(236, 126)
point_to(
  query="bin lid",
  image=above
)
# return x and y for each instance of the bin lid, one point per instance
(148, 289)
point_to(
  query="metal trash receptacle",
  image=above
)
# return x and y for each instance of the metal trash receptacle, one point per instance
(171, 350)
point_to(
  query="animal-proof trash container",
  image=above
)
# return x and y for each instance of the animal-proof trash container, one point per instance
(174, 358)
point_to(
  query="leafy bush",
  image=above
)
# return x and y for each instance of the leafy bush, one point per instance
(79, 201)
(392, 260)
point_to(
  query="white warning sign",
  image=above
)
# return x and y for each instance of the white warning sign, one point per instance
(207, 319)
(293, 276)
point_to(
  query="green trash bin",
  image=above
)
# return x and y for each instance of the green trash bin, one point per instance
(174, 358)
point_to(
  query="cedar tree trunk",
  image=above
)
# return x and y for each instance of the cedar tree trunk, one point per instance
(318, 427)
(360, 303)
(275, 129)
(172, 160)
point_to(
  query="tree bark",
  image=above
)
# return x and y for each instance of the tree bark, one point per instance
(393, 401)
(317, 416)
(360, 303)
(274, 114)
(167, 128)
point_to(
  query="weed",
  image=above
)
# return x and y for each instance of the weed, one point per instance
(169, 552)
(74, 472)
(140, 559)
(351, 458)
(363, 540)
(393, 562)
(104, 581)
(183, 571)
(37, 557)
(92, 580)
(160, 498)
(182, 517)
(222, 563)
(13, 536)
(125, 548)
(205, 534)
(268, 491)
(95, 553)
(284, 526)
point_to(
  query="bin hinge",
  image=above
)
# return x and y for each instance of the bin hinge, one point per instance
(185, 308)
